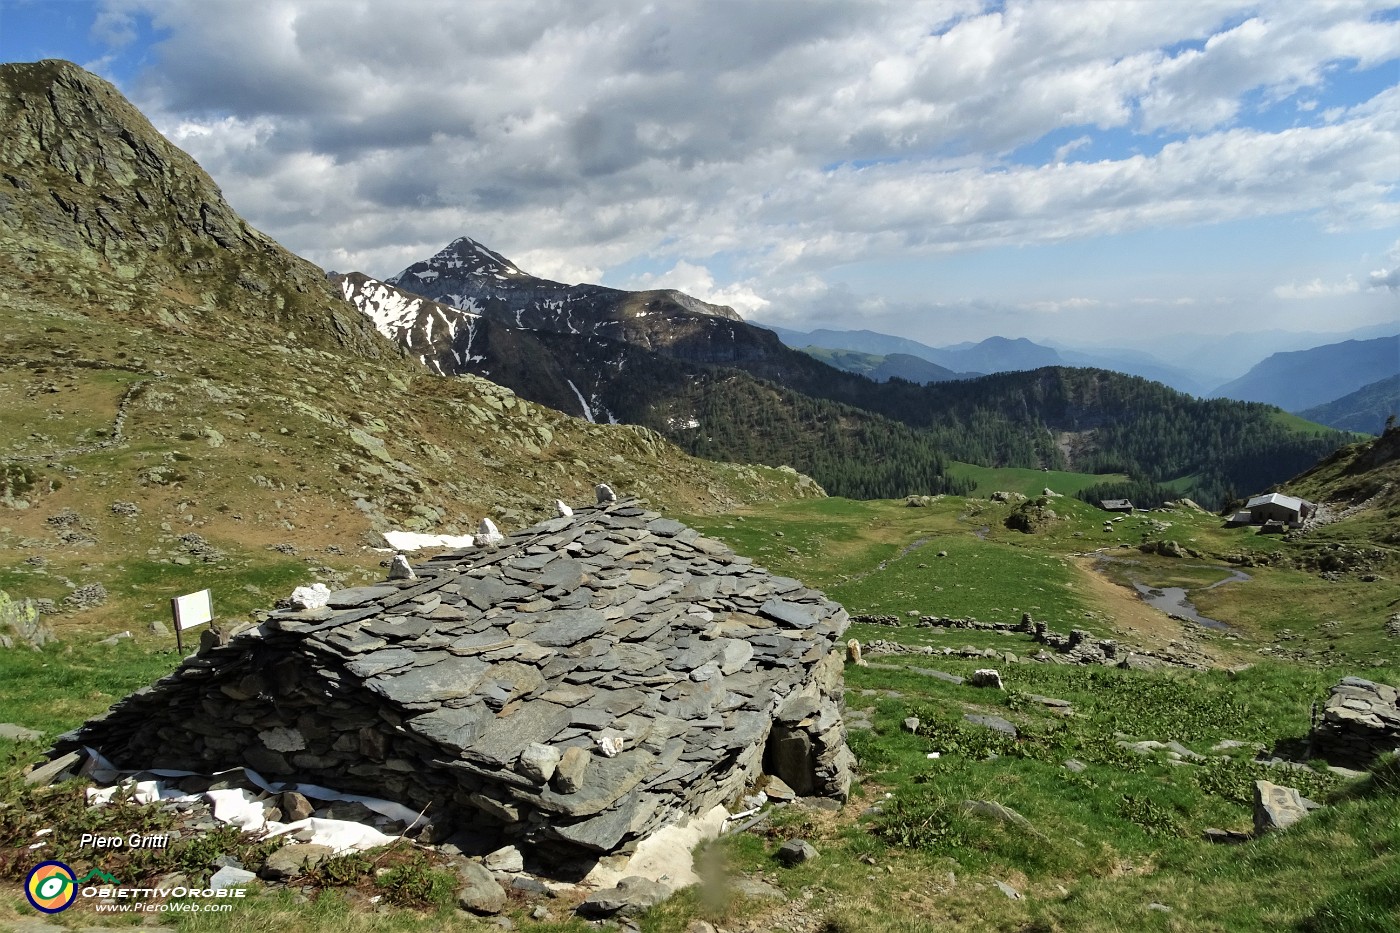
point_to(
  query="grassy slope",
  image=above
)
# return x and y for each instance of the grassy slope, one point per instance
(1105, 844)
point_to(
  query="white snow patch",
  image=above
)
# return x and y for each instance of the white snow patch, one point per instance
(412, 540)
(587, 411)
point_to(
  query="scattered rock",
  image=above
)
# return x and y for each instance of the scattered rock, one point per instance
(480, 893)
(1009, 891)
(1276, 806)
(795, 852)
(537, 762)
(292, 860)
(229, 877)
(632, 895)
(1075, 765)
(986, 677)
(295, 806)
(778, 791)
(570, 771)
(14, 733)
(911, 724)
(507, 859)
(88, 596)
(400, 569)
(310, 597)
(756, 890)
(991, 722)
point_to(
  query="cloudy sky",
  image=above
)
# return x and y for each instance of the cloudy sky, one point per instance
(1092, 171)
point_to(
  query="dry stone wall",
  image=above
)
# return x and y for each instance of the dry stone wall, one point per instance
(1360, 720)
(593, 678)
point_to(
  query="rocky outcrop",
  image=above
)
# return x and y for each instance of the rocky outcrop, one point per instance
(20, 625)
(87, 181)
(1360, 720)
(592, 679)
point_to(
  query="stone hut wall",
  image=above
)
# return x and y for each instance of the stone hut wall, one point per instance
(591, 680)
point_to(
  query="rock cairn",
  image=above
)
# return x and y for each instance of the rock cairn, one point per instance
(1360, 720)
(586, 682)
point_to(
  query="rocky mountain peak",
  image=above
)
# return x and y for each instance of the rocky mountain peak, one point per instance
(87, 182)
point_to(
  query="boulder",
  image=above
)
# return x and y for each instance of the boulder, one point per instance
(480, 893)
(293, 860)
(986, 677)
(795, 852)
(1276, 807)
(632, 895)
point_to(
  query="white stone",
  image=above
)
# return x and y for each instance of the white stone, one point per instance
(399, 569)
(563, 510)
(311, 597)
(487, 533)
(507, 859)
(611, 745)
(986, 677)
(537, 762)
(605, 493)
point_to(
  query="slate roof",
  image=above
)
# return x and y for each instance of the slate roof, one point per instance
(613, 621)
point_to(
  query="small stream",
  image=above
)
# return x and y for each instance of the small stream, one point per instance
(1173, 599)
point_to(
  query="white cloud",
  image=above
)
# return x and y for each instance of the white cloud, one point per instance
(577, 136)
(694, 279)
(1388, 278)
(1071, 147)
(1317, 289)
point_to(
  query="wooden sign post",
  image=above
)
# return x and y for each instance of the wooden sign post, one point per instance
(189, 611)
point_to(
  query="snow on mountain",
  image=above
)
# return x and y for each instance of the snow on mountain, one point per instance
(440, 336)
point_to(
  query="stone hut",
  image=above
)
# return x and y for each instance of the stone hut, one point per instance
(582, 684)
(1360, 720)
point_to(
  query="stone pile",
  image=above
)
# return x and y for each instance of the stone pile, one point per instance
(592, 679)
(1360, 720)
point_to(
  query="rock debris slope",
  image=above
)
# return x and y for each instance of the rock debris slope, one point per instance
(594, 678)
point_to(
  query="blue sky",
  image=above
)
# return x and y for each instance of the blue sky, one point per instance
(1092, 172)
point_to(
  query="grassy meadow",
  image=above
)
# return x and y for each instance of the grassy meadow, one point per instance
(1087, 834)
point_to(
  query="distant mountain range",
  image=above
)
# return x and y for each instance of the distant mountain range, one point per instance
(721, 387)
(992, 355)
(1305, 378)
(1364, 410)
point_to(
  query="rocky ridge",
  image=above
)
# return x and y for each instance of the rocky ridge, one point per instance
(86, 179)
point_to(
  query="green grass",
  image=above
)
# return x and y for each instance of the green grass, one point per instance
(56, 689)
